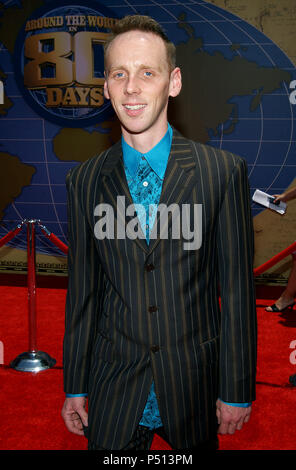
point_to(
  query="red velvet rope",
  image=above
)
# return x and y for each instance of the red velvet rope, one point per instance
(58, 243)
(10, 235)
(54, 239)
(275, 259)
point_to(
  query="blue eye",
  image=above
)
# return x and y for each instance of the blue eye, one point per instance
(118, 74)
(148, 74)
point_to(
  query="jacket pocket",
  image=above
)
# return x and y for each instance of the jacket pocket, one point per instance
(208, 352)
(103, 348)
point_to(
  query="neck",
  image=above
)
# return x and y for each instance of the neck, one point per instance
(145, 141)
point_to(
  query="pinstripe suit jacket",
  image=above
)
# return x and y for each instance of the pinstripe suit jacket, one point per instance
(137, 313)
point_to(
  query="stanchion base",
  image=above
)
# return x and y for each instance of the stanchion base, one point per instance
(33, 361)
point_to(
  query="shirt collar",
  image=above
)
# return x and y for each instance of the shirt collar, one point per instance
(157, 157)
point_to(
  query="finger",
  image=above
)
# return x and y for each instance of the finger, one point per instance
(73, 423)
(223, 428)
(218, 414)
(231, 428)
(71, 426)
(227, 428)
(240, 424)
(81, 414)
(247, 417)
(84, 417)
(77, 422)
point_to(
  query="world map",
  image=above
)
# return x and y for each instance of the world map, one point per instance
(235, 96)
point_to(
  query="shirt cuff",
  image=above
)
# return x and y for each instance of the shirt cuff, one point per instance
(241, 405)
(70, 395)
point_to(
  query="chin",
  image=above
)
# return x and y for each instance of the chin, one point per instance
(134, 128)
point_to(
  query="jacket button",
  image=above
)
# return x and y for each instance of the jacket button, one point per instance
(149, 267)
(152, 308)
(154, 348)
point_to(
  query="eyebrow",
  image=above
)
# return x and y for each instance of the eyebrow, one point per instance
(141, 67)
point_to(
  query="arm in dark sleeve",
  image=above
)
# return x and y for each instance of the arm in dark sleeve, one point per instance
(238, 306)
(84, 290)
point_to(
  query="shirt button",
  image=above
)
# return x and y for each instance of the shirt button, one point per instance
(152, 308)
(149, 267)
(155, 348)
(142, 158)
(145, 183)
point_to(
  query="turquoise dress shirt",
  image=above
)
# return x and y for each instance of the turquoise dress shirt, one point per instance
(145, 175)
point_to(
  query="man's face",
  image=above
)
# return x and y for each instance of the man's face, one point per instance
(139, 82)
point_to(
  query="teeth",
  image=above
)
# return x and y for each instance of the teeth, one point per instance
(137, 106)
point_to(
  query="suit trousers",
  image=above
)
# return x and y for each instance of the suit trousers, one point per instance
(143, 437)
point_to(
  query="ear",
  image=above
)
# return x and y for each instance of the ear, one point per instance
(175, 82)
(106, 91)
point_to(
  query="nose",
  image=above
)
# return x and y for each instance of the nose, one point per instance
(132, 86)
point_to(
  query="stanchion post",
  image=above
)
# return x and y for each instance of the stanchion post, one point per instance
(32, 360)
(31, 263)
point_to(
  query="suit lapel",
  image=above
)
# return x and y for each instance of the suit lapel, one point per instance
(178, 182)
(114, 185)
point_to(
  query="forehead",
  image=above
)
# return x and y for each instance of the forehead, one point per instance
(135, 46)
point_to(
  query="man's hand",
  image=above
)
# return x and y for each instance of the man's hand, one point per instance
(231, 418)
(74, 414)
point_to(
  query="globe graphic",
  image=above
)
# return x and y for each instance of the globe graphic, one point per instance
(257, 123)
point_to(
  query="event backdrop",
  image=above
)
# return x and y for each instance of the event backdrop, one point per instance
(239, 94)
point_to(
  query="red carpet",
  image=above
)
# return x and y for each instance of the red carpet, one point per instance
(31, 403)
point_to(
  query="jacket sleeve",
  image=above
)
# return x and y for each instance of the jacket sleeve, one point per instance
(235, 243)
(85, 281)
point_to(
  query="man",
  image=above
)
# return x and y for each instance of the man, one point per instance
(145, 337)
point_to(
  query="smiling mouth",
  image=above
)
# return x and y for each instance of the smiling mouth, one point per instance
(134, 107)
